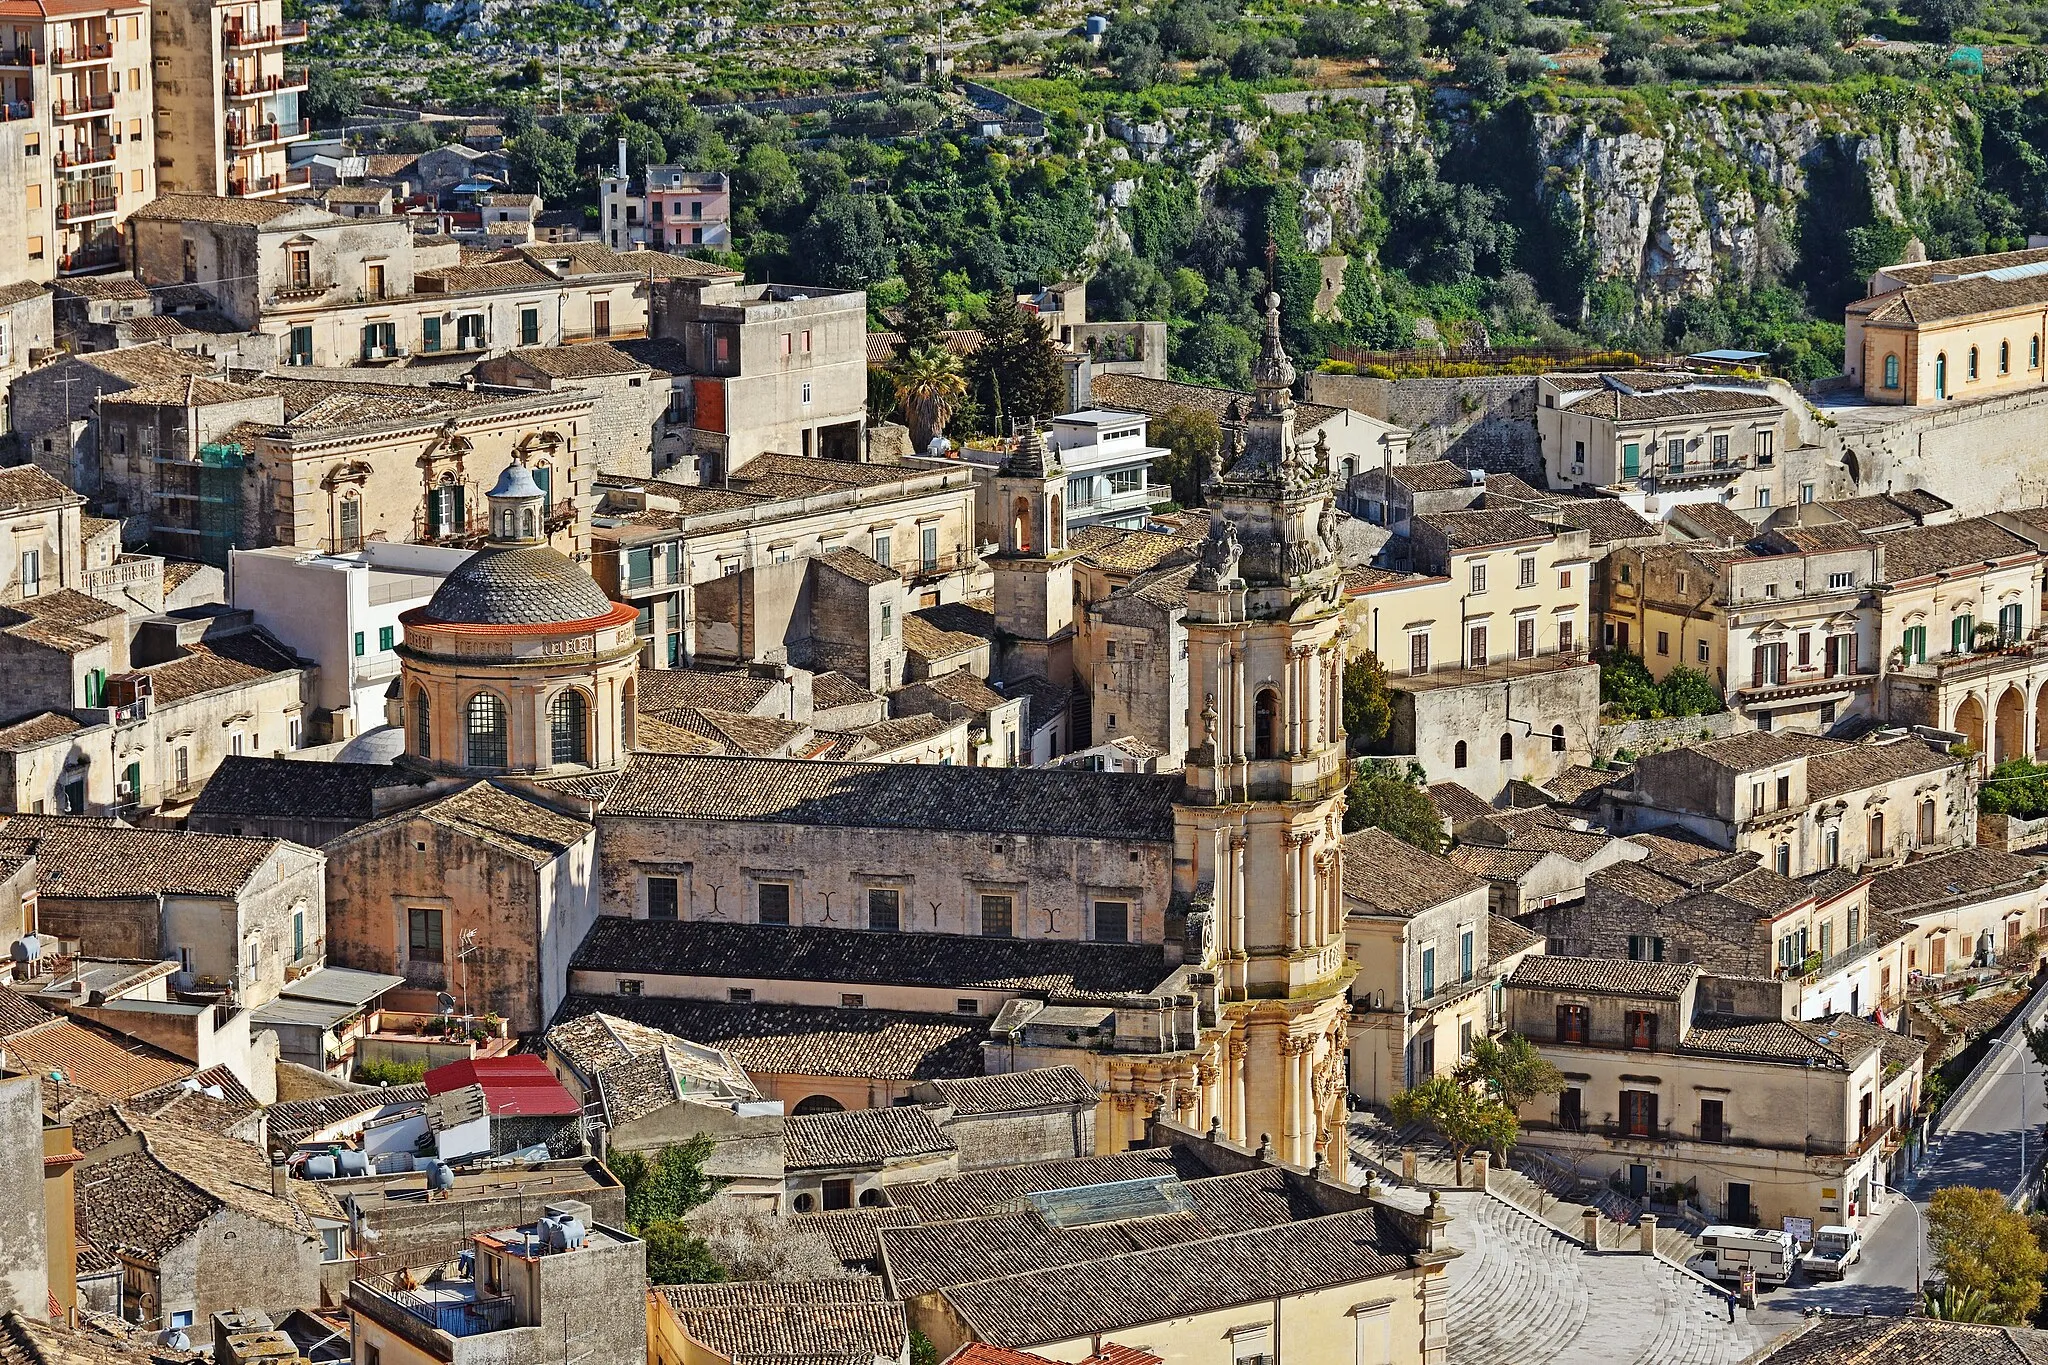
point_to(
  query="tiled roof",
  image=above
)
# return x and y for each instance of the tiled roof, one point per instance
(93, 1059)
(854, 1235)
(774, 1293)
(1605, 520)
(289, 1122)
(830, 690)
(119, 284)
(1615, 404)
(1504, 938)
(900, 732)
(208, 208)
(708, 949)
(233, 660)
(26, 486)
(1432, 476)
(1889, 511)
(187, 1102)
(1497, 864)
(1921, 305)
(146, 364)
(653, 736)
(1909, 1341)
(312, 406)
(1714, 521)
(37, 729)
(733, 732)
(149, 1201)
(1956, 544)
(494, 815)
(811, 1040)
(589, 360)
(859, 567)
(1473, 530)
(1839, 768)
(929, 641)
(1154, 397)
(1603, 976)
(103, 858)
(1128, 549)
(999, 1188)
(1045, 1087)
(1392, 877)
(1458, 803)
(592, 1043)
(809, 1333)
(663, 689)
(79, 857)
(60, 620)
(860, 1137)
(1975, 873)
(18, 1012)
(1059, 801)
(1176, 1282)
(1763, 1040)
(293, 789)
(1575, 783)
(1743, 752)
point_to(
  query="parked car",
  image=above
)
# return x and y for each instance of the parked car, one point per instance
(1835, 1249)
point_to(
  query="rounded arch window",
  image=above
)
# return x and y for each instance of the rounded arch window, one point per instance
(817, 1104)
(1056, 524)
(528, 525)
(569, 727)
(1557, 739)
(1266, 725)
(422, 723)
(871, 1199)
(1973, 362)
(485, 729)
(1458, 754)
(1507, 745)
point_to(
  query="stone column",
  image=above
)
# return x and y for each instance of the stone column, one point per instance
(1239, 1124)
(1481, 1162)
(1646, 1234)
(1590, 1230)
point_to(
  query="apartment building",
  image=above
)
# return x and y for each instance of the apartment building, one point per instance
(1108, 464)
(227, 97)
(1659, 440)
(343, 291)
(78, 140)
(674, 209)
(1669, 1089)
(1930, 332)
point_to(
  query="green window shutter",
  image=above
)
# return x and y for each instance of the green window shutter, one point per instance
(359, 644)
(430, 334)
(385, 636)
(1631, 460)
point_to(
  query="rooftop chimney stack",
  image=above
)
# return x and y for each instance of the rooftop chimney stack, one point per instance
(622, 158)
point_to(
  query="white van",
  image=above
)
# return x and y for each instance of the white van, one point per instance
(1728, 1249)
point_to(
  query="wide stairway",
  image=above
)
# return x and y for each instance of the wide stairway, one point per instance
(1522, 1293)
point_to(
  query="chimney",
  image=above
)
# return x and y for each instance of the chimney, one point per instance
(279, 1173)
(622, 158)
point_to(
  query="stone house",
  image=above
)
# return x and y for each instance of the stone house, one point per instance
(1802, 803)
(630, 428)
(483, 893)
(1393, 497)
(1132, 651)
(1534, 857)
(54, 412)
(239, 915)
(1658, 440)
(1756, 1118)
(726, 572)
(1430, 979)
(995, 721)
(1013, 1118)
(201, 1224)
(1928, 332)
(1970, 907)
(850, 1158)
(27, 331)
(333, 464)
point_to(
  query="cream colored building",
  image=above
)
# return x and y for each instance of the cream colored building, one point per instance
(1930, 332)
(1756, 1119)
(227, 97)
(78, 145)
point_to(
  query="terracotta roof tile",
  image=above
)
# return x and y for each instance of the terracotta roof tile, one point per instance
(1013, 1091)
(1601, 976)
(92, 858)
(860, 1137)
(810, 1040)
(1388, 876)
(93, 1059)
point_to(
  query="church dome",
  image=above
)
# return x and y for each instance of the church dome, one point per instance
(526, 585)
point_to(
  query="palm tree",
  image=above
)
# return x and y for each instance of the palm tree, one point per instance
(929, 385)
(1953, 1303)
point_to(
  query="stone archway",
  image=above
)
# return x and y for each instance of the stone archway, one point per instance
(1969, 723)
(2009, 732)
(2041, 723)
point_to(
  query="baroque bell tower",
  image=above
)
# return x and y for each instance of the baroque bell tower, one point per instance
(1258, 836)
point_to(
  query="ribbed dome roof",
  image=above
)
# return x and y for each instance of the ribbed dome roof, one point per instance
(530, 585)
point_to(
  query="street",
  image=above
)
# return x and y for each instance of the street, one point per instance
(1977, 1144)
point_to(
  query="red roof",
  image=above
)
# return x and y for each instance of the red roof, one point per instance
(511, 1085)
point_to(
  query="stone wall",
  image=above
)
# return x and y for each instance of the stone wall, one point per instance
(1670, 732)
(1981, 456)
(24, 1265)
(1482, 422)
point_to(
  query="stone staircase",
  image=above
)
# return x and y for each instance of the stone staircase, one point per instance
(1522, 1293)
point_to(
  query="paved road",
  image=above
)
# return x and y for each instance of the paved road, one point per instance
(1978, 1144)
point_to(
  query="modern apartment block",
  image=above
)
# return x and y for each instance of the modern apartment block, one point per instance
(676, 209)
(77, 133)
(227, 97)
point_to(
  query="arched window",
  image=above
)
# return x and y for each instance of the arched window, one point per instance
(485, 727)
(1507, 745)
(1349, 467)
(1941, 375)
(1877, 834)
(1834, 845)
(1891, 372)
(1458, 754)
(2005, 357)
(1972, 372)
(422, 723)
(2034, 352)
(527, 525)
(1927, 821)
(1266, 725)
(1056, 525)
(1557, 739)
(568, 727)
(817, 1104)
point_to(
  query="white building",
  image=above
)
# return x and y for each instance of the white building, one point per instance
(341, 611)
(1108, 462)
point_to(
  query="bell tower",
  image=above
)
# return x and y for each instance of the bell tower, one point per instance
(1258, 834)
(1032, 569)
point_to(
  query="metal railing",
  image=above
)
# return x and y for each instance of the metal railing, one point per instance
(89, 52)
(291, 32)
(457, 1317)
(68, 211)
(237, 88)
(91, 104)
(269, 134)
(74, 158)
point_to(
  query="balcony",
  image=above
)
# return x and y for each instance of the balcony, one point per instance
(1654, 479)
(13, 111)
(1997, 657)
(1458, 675)
(20, 56)
(454, 1307)
(268, 35)
(269, 135)
(1811, 680)
(84, 107)
(80, 210)
(79, 56)
(260, 87)
(84, 157)
(918, 567)
(257, 186)
(90, 260)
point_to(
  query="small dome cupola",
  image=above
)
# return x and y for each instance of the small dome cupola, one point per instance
(516, 502)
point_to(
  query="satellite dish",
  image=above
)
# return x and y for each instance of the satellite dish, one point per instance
(445, 1003)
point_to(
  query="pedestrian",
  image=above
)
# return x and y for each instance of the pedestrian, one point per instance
(1731, 1308)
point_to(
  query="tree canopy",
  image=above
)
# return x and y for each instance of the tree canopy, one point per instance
(1466, 1119)
(1385, 796)
(1368, 703)
(1982, 1247)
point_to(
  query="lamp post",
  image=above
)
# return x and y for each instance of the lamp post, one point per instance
(2023, 1049)
(1919, 1240)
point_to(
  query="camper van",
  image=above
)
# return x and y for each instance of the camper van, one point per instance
(1729, 1249)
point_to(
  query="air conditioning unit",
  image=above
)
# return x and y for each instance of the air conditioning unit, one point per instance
(376, 353)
